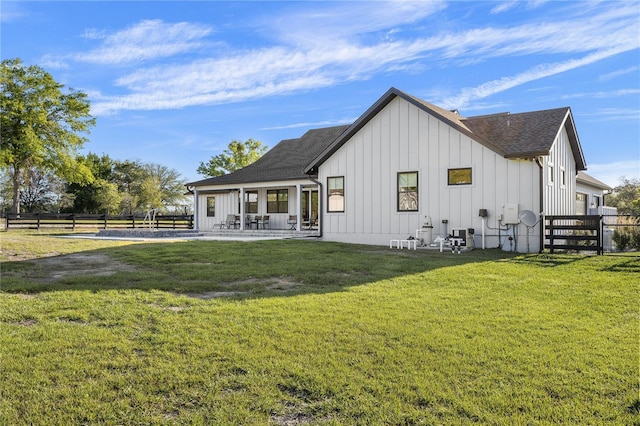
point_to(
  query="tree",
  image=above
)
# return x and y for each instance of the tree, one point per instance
(626, 196)
(236, 156)
(86, 194)
(36, 193)
(168, 185)
(40, 125)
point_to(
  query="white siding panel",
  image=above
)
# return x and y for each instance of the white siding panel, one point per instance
(402, 137)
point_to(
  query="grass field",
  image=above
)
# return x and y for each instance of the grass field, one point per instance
(305, 333)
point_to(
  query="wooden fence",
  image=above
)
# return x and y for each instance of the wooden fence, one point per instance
(581, 233)
(73, 221)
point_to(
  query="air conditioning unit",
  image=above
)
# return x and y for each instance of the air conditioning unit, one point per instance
(463, 236)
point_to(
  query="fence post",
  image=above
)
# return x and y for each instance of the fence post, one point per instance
(551, 233)
(133, 222)
(38, 226)
(73, 218)
(600, 232)
(105, 221)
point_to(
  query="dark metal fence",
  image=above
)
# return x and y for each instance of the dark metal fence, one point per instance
(599, 233)
(103, 221)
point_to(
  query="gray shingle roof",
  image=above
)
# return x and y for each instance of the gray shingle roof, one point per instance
(525, 134)
(591, 181)
(522, 135)
(285, 161)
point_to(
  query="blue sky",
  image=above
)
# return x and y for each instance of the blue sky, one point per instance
(174, 82)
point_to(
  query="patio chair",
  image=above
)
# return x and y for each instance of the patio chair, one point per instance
(257, 220)
(231, 220)
(263, 221)
(292, 221)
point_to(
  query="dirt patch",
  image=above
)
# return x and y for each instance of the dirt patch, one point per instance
(214, 294)
(247, 286)
(91, 264)
(26, 322)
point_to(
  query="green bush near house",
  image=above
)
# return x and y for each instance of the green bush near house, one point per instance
(304, 332)
(627, 234)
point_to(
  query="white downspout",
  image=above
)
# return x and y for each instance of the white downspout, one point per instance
(242, 208)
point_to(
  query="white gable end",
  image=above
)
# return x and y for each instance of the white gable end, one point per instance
(404, 138)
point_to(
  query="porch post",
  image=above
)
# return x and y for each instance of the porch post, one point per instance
(195, 209)
(299, 207)
(242, 208)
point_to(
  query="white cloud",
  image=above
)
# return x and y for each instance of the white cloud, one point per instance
(470, 94)
(603, 94)
(616, 114)
(146, 40)
(308, 125)
(12, 12)
(321, 49)
(610, 173)
(503, 7)
(616, 74)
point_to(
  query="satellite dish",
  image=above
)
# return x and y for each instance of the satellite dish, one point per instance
(528, 217)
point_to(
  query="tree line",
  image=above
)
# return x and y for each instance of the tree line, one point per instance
(43, 126)
(116, 187)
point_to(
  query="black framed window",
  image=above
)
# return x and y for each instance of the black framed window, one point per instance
(278, 201)
(408, 192)
(461, 176)
(211, 206)
(335, 194)
(251, 202)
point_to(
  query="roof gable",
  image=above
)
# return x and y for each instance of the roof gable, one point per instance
(449, 117)
(524, 135)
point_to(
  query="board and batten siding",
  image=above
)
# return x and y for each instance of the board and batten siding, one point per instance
(559, 197)
(227, 203)
(404, 138)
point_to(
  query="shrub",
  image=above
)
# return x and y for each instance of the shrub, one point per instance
(627, 236)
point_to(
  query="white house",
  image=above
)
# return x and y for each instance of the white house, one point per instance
(405, 161)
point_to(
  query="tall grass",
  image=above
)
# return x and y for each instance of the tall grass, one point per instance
(320, 333)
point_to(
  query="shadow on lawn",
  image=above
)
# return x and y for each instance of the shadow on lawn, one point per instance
(208, 269)
(549, 260)
(628, 263)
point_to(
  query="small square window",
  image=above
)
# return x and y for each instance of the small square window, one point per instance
(462, 176)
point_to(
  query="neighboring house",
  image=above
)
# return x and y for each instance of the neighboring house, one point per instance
(405, 161)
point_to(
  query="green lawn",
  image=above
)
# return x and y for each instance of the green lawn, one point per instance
(104, 332)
